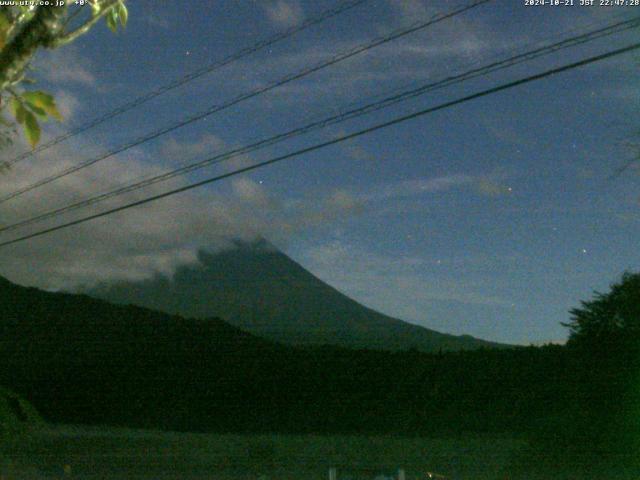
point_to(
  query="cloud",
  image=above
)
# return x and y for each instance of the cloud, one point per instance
(140, 241)
(431, 292)
(410, 10)
(159, 236)
(284, 13)
(68, 104)
(132, 244)
(208, 145)
(154, 238)
(65, 65)
(180, 152)
(425, 57)
(389, 282)
(491, 188)
(252, 193)
(410, 188)
(487, 185)
(154, 19)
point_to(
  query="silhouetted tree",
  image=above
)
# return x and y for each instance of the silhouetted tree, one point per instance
(599, 433)
(610, 320)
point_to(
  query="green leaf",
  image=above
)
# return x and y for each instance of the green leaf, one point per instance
(37, 98)
(123, 13)
(42, 115)
(32, 129)
(5, 24)
(15, 106)
(53, 111)
(41, 101)
(18, 110)
(112, 20)
(96, 7)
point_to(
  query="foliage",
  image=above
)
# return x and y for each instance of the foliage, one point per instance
(600, 431)
(16, 414)
(30, 106)
(610, 320)
(24, 30)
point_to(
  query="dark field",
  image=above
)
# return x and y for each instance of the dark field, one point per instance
(92, 453)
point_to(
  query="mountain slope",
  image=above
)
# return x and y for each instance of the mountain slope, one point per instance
(259, 289)
(83, 360)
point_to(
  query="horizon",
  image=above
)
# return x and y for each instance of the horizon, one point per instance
(231, 244)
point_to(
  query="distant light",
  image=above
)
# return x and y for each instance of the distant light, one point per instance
(584, 250)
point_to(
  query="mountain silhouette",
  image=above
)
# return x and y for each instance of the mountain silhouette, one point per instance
(81, 360)
(261, 290)
(84, 360)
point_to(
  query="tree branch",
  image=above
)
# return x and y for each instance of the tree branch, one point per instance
(18, 20)
(40, 31)
(84, 28)
(75, 13)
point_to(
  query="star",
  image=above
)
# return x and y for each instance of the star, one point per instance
(584, 250)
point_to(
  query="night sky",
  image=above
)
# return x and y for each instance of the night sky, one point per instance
(491, 218)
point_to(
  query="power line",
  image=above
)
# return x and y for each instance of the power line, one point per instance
(334, 141)
(332, 120)
(246, 96)
(240, 54)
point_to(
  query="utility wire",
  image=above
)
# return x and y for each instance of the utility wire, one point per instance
(246, 96)
(178, 82)
(334, 141)
(356, 112)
